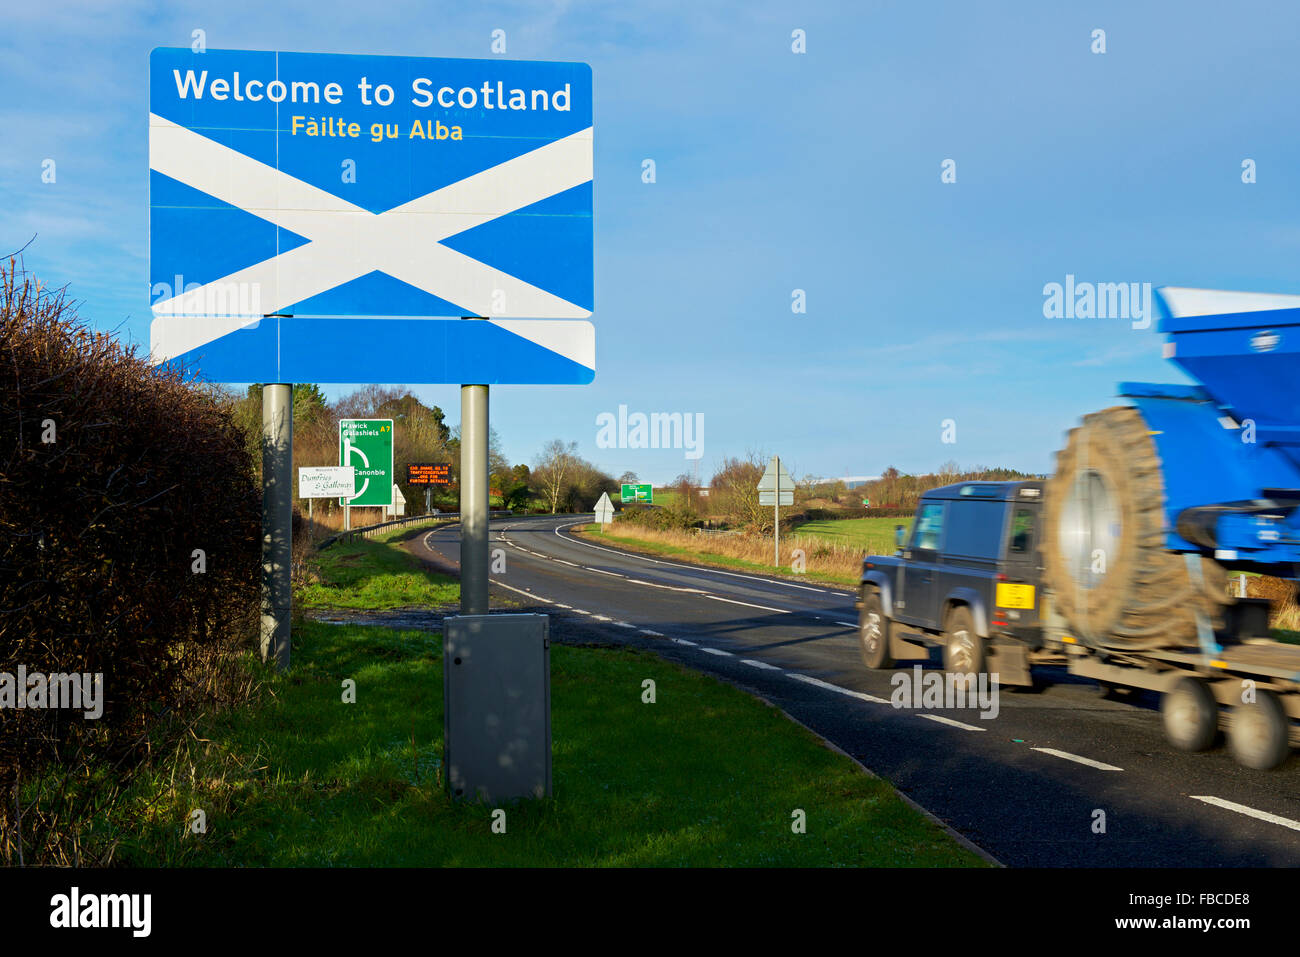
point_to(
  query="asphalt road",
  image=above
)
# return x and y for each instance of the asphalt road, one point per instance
(1026, 785)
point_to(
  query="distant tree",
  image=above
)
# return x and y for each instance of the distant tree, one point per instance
(555, 468)
(628, 478)
(734, 491)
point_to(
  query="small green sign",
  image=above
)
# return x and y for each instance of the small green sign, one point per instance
(638, 494)
(367, 445)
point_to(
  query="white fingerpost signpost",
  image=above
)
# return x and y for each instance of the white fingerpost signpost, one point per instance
(301, 200)
(776, 488)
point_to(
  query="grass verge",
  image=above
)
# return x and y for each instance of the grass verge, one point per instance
(707, 775)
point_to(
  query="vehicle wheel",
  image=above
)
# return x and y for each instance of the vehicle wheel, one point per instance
(963, 650)
(1191, 715)
(1259, 732)
(1104, 542)
(873, 632)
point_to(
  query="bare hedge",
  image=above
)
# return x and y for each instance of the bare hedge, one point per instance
(113, 476)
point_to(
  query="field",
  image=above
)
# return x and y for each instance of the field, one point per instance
(873, 536)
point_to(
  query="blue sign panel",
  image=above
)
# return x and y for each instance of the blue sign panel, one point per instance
(327, 185)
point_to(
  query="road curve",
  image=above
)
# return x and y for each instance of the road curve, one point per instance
(1057, 778)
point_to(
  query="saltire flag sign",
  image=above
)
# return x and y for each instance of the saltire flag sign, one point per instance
(305, 208)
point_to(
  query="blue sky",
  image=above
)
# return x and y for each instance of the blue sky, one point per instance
(778, 171)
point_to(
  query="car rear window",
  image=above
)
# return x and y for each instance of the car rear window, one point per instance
(974, 529)
(929, 526)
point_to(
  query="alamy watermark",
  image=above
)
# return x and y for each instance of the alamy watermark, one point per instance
(934, 690)
(658, 430)
(78, 692)
(1098, 300)
(206, 299)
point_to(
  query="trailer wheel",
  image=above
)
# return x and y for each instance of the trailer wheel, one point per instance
(873, 632)
(1259, 732)
(1104, 542)
(963, 650)
(1191, 715)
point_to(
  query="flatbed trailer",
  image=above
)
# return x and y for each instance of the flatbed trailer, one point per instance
(1247, 686)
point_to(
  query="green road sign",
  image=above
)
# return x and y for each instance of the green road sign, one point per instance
(367, 445)
(638, 493)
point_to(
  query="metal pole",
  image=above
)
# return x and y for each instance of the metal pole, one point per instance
(277, 520)
(473, 500)
(776, 517)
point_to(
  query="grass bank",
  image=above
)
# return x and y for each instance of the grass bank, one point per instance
(303, 779)
(706, 775)
(373, 574)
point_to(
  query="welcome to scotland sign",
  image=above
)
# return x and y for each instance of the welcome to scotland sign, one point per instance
(292, 194)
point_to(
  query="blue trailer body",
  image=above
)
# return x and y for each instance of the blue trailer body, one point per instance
(1230, 447)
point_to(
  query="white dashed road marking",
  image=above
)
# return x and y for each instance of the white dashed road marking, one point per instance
(951, 723)
(1074, 757)
(861, 696)
(1248, 811)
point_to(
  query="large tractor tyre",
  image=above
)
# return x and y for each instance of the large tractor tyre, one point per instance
(1104, 543)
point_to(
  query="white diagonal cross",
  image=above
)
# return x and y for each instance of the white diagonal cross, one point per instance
(346, 241)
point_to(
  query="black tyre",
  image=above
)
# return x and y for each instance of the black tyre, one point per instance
(1259, 732)
(1190, 715)
(1104, 542)
(873, 632)
(963, 650)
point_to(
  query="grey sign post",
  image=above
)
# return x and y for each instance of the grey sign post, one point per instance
(776, 488)
(473, 499)
(277, 520)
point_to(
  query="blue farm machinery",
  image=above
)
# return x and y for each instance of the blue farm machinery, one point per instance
(1155, 501)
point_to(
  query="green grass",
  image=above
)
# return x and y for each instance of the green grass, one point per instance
(375, 574)
(705, 776)
(874, 536)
